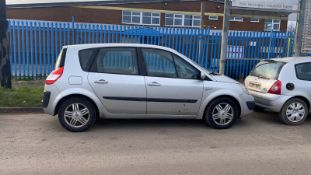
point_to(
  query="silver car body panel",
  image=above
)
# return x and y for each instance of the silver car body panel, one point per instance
(287, 75)
(174, 98)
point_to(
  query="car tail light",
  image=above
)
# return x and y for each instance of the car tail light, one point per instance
(276, 88)
(54, 76)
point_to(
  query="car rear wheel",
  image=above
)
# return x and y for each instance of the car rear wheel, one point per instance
(294, 112)
(77, 114)
(221, 113)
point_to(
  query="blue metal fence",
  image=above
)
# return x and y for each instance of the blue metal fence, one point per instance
(34, 45)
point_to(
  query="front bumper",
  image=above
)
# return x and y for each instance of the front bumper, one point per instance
(247, 104)
(271, 102)
(250, 105)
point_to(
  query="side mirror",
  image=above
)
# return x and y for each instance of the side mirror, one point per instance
(203, 76)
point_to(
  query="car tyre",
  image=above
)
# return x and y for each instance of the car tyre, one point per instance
(77, 114)
(221, 113)
(294, 112)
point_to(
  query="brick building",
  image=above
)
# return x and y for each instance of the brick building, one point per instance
(148, 13)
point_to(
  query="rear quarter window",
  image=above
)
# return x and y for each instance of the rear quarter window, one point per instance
(61, 59)
(268, 70)
(303, 71)
(86, 58)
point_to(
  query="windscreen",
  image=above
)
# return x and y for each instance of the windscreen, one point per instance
(268, 70)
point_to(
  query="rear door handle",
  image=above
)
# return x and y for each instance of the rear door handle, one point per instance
(101, 81)
(154, 84)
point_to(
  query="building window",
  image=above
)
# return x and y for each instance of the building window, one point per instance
(272, 25)
(180, 20)
(213, 18)
(254, 20)
(136, 18)
(151, 18)
(140, 18)
(196, 21)
(237, 19)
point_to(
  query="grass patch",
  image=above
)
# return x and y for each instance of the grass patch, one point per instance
(23, 94)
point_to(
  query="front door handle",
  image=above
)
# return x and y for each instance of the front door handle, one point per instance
(154, 83)
(101, 81)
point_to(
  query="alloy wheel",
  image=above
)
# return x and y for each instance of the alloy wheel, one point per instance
(76, 115)
(223, 114)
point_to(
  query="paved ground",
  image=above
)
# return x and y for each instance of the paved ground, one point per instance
(36, 144)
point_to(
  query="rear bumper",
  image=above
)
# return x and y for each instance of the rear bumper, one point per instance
(48, 103)
(271, 102)
(46, 99)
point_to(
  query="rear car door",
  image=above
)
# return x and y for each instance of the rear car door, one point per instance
(115, 78)
(173, 85)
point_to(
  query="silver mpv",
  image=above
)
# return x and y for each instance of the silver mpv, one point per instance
(139, 81)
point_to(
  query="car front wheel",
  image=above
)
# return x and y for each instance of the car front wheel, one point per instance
(77, 114)
(294, 112)
(221, 113)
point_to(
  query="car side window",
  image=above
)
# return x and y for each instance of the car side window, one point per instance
(185, 70)
(159, 63)
(116, 61)
(303, 71)
(86, 57)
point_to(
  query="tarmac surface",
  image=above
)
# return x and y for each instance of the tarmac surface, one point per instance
(260, 144)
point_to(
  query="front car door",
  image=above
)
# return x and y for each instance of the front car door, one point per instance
(116, 81)
(173, 85)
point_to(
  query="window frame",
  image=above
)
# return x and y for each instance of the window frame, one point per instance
(182, 18)
(92, 68)
(141, 16)
(144, 64)
(210, 17)
(297, 72)
(234, 19)
(255, 21)
(272, 25)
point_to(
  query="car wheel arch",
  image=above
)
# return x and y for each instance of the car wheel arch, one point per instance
(302, 98)
(223, 96)
(63, 99)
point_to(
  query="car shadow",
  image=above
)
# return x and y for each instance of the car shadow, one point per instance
(267, 116)
(150, 123)
(160, 124)
(272, 117)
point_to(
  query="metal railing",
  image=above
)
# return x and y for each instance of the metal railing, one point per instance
(35, 45)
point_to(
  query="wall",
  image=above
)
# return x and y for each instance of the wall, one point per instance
(115, 16)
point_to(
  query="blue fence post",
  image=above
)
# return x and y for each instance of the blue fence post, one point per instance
(11, 45)
(14, 48)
